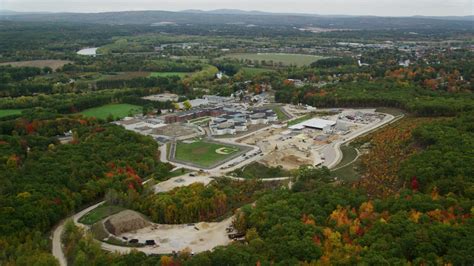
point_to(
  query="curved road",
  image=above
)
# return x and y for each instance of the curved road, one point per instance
(171, 183)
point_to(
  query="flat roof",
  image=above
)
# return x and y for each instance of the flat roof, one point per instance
(314, 123)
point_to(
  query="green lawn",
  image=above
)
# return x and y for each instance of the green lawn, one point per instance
(8, 112)
(116, 110)
(99, 213)
(169, 74)
(285, 59)
(203, 153)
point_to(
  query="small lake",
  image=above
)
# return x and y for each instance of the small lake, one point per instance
(88, 51)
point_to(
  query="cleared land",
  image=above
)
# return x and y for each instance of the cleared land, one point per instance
(116, 110)
(54, 64)
(169, 74)
(203, 153)
(99, 213)
(285, 59)
(8, 112)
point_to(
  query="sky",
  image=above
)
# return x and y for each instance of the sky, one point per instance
(323, 7)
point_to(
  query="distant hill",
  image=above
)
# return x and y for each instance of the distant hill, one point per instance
(231, 16)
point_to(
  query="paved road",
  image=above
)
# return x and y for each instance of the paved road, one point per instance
(333, 153)
(333, 150)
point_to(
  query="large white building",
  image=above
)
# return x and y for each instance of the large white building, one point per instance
(315, 123)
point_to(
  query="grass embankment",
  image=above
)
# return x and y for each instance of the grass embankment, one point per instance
(99, 213)
(299, 120)
(117, 111)
(280, 114)
(346, 169)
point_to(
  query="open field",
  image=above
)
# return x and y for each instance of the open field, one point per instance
(203, 153)
(8, 112)
(169, 74)
(54, 64)
(285, 59)
(116, 110)
(99, 213)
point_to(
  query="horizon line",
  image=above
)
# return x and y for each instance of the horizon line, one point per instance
(228, 9)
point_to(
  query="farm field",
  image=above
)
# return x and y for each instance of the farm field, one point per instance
(285, 59)
(8, 112)
(203, 153)
(169, 74)
(54, 64)
(116, 110)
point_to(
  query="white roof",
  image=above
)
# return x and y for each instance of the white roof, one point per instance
(314, 123)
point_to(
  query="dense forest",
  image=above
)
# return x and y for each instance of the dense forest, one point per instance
(42, 181)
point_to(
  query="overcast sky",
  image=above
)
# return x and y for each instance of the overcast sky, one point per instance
(325, 7)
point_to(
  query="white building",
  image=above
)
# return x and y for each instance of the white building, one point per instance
(315, 123)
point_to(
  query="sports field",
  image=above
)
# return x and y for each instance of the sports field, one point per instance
(203, 153)
(116, 110)
(169, 74)
(7, 112)
(285, 59)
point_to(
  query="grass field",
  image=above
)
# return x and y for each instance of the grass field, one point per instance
(8, 112)
(203, 153)
(285, 59)
(169, 74)
(116, 110)
(99, 213)
(54, 64)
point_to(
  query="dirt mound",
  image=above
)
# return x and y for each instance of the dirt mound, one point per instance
(125, 221)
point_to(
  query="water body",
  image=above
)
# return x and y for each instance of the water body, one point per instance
(88, 51)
